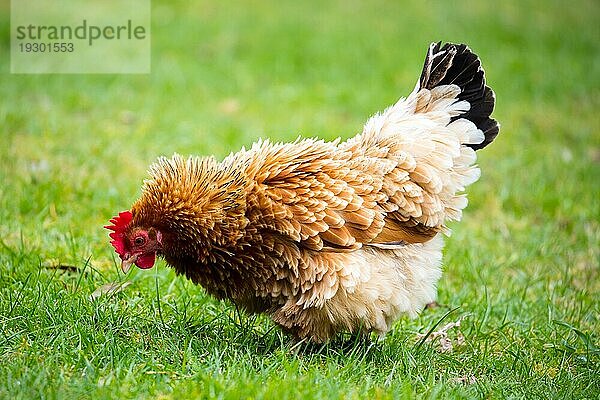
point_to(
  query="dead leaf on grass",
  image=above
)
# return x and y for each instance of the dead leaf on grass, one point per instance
(64, 267)
(109, 288)
(468, 379)
(446, 344)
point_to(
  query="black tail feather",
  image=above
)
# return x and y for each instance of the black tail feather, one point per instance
(456, 64)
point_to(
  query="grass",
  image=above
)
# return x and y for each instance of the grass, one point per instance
(522, 267)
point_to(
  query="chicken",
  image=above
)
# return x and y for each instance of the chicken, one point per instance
(324, 237)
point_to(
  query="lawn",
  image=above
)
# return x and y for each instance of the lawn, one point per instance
(521, 269)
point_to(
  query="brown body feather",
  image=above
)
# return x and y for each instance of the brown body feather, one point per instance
(304, 230)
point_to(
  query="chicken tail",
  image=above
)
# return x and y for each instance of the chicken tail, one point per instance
(456, 64)
(432, 135)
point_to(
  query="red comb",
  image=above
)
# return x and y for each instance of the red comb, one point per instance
(119, 224)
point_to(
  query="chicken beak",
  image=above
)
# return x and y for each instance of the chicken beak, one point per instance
(127, 262)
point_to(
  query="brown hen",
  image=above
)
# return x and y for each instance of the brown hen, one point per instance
(324, 236)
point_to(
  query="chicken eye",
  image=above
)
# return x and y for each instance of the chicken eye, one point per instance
(139, 240)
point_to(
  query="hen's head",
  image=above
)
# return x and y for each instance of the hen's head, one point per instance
(134, 244)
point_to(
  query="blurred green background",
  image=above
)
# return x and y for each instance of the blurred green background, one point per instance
(522, 265)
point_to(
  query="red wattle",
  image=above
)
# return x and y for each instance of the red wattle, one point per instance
(146, 261)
